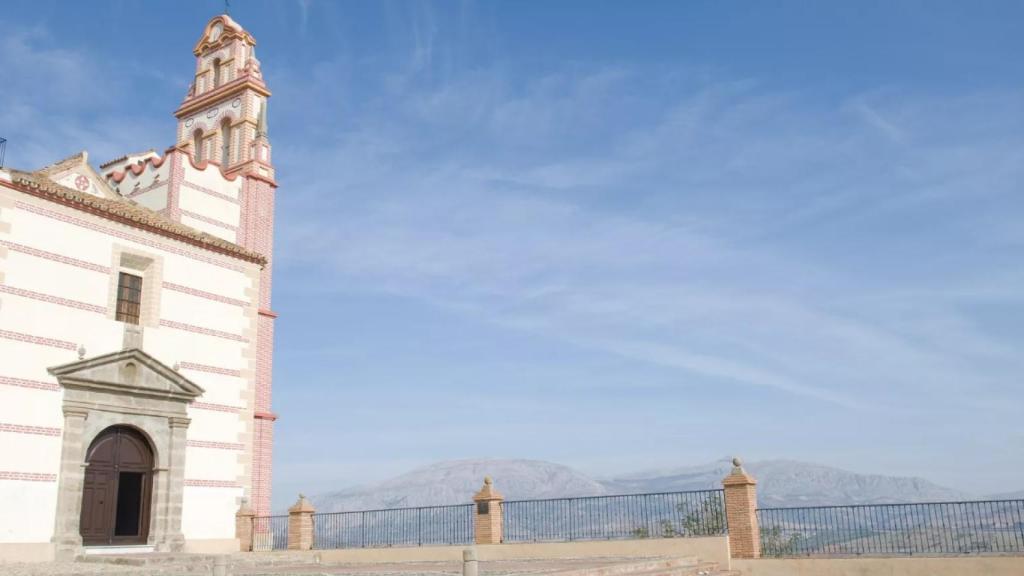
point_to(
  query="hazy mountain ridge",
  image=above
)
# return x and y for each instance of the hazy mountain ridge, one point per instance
(456, 481)
(780, 483)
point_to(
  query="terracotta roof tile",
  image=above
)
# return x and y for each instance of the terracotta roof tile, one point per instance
(125, 210)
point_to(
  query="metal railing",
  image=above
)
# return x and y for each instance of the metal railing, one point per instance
(423, 526)
(662, 515)
(269, 533)
(978, 527)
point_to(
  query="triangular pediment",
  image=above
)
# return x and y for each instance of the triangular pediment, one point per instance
(75, 172)
(129, 372)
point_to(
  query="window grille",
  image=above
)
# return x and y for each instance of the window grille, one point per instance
(129, 298)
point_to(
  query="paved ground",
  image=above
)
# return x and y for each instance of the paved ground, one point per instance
(240, 565)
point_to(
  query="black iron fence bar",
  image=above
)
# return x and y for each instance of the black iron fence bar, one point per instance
(967, 527)
(663, 514)
(830, 506)
(269, 533)
(718, 490)
(390, 527)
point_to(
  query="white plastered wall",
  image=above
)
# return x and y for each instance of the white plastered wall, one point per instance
(28, 506)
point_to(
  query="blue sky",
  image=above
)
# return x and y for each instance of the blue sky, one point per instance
(613, 235)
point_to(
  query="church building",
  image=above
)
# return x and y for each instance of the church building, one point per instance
(136, 330)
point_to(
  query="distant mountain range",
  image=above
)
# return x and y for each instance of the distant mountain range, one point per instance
(780, 483)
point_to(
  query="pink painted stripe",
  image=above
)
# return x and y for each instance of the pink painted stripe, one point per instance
(202, 294)
(23, 383)
(27, 476)
(149, 188)
(211, 369)
(215, 407)
(209, 220)
(33, 430)
(201, 330)
(216, 445)
(51, 342)
(209, 191)
(125, 236)
(55, 257)
(212, 483)
(52, 299)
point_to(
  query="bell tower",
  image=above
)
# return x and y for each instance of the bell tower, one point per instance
(223, 179)
(219, 121)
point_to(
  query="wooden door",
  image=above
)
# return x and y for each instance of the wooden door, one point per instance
(117, 490)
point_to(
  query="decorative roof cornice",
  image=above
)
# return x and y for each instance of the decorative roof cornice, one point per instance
(125, 212)
(120, 159)
(194, 103)
(137, 168)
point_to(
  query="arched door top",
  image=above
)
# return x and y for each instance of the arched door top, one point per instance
(122, 446)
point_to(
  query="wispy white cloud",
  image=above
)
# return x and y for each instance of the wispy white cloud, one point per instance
(56, 101)
(663, 243)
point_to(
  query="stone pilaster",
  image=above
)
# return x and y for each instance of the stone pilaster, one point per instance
(741, 513)
(243, 526)
(487, 523)
(300, 525)
(171, 538)
(67, 538)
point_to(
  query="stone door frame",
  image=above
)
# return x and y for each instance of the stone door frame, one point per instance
(126, 388)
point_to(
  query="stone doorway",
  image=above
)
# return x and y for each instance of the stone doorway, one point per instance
(118, 487)
(123, 412)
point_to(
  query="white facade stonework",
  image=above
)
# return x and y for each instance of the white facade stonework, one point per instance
(193, 375)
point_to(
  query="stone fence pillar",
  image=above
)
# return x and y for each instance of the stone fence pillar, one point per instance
(300, 525)
(741, 512)
(243, 526)
(487, 517)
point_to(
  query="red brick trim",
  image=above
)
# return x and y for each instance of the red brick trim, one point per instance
(55, 257)
(210, 369)
(201, 330)
(202, 294)
(212, 483)
(33, 430)
(30, 339)
(34, 384)
(216, 407)
(27, 476)
(268, 313)
(4, 288)
(209, 191)
(265, 416)
(216, 445)
(208, 220)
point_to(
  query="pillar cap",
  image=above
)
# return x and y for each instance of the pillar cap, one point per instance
(487, 492)
(244, 509)
(738, 476)
(302, 505)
